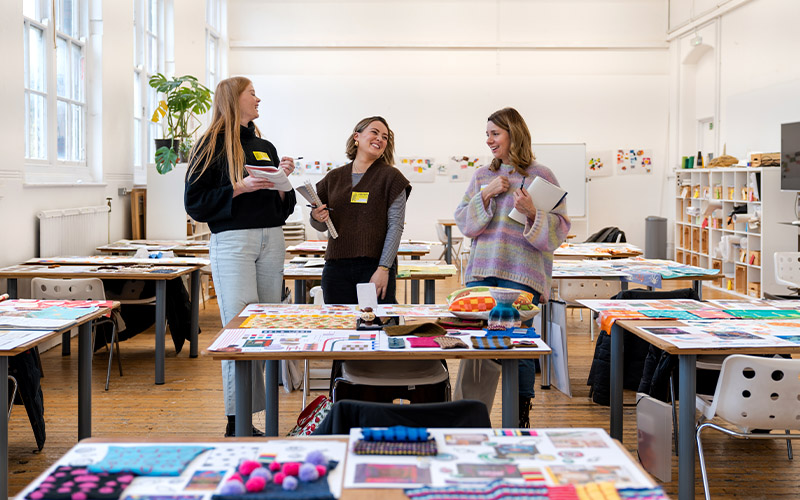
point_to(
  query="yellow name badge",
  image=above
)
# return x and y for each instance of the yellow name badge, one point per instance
(359, 197)
(260, 155)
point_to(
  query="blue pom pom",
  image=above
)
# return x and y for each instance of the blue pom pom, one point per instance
(232, 488)
(316, 457)
(290, 483)
(308, 472)
(262, 472)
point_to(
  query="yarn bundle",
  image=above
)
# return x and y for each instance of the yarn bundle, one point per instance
(252, 477)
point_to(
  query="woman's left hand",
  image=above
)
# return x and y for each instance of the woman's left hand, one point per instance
(381, 279)
(524, 204)
(287, 164)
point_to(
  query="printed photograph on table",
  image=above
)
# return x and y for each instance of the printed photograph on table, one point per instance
(598, 164)
(634, 161)
(301, 321)
(300, 309)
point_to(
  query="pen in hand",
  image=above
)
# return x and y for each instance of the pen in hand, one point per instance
(329, 209)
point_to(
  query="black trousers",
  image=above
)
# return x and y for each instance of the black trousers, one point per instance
(340, 277)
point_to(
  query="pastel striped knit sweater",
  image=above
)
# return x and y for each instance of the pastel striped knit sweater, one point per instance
(503, 248)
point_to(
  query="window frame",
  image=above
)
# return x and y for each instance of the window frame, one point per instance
(144, 68)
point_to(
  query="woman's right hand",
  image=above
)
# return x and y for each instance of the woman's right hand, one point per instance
(320, 213)
(498, 186)
(251, 183)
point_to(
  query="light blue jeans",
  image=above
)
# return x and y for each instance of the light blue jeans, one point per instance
(247, 267)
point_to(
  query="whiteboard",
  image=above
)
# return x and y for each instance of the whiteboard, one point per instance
(568, 163)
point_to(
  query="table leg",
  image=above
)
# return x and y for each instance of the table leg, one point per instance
(430, 291)
(271, 415)
(66, 339)
(85, 380)
(4, 426)
(415, 285)
(623, 285)
(687, 391)
(544, 361)
(195, 325)
(299, 291)
(697, 285)
(244, 398)
(448, 230)
(11, 286)
(161, 328)
(510, 375)
(617, 356)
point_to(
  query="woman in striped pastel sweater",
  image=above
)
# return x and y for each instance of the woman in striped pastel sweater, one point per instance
(503, 252)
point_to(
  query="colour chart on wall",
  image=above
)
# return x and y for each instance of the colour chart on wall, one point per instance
(598, 164)
(478, 456)
(259, 340)
(634, 161)
(417, 169)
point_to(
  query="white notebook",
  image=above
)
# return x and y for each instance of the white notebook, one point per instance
(275, 175)
(545, 197)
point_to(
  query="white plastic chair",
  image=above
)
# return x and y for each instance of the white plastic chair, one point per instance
(456, 240)
(571, 291)
(787, 270)
(80, 289)
(752, 393)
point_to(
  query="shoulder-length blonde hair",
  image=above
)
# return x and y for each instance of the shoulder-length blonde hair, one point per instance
(351, 149)
(519, 151)
(225, 120)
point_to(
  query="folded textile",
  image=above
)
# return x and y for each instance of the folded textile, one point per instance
(396, 433)
(423, 342)
(66, 481)
(450, 342)
(494, 491)
(491, 342)
(419, 329)
(514, 333)
(418, 448)
(148, 460)
(461, 323)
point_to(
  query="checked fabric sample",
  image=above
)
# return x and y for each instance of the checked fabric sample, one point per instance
(450, 342)
(418, 448)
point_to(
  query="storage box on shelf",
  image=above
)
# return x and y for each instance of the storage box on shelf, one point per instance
(704, 200)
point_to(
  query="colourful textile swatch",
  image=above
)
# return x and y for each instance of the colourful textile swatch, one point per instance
(642, 493)
(609, 316)
(514, 333)
(422, 342)
(450, 342)
(711, 314)
(491, 342)
(419, 329)
(764, 313)
(418, 448)
(667, 314)
(68, 483)
(306, 490)
(148, 460)
(515, 432)
(494, 491)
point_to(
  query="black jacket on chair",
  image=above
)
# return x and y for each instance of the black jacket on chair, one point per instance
(347, 414)
(25, 369)
(639, 372)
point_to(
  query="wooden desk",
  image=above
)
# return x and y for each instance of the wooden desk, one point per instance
(687, 358)
(317, 248)
(179, 247)
(84, 325)
(509, 359)
(448, 230)
(159, 274)
(597, 251)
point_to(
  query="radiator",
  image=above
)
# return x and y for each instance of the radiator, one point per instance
(72, 231)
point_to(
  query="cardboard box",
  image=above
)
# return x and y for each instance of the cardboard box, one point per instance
(717, 264)
(755, 258)
(754, 289)
(765, 160)
(740, 279)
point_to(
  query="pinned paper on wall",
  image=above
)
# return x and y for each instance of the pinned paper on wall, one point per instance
(634, 161)
(598, 164)
(417, 169)
(461, 168)
(319, 167)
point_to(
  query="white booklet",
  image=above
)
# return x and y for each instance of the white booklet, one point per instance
(308, 192)
(545, 196)
(273, 174)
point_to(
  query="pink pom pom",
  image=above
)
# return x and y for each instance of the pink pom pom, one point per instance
(236, 477)
(246, 467)
(290, 483)
(255, 484)
(322, 470)
(291, 468)
(278, 478)
(274, 466)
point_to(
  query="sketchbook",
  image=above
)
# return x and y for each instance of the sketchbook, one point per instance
(545, 196)
(275, 175)
(308, 192)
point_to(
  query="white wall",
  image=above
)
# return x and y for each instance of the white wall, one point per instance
(579, 71)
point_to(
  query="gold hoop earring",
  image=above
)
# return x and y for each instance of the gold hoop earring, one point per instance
(356, 143)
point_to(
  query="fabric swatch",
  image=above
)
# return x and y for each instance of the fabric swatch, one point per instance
(494, 490)
(419, 448)
(423, 342)
(148, 460)
(419, 329)
(491, 342)
(450, 342)
(78, 483)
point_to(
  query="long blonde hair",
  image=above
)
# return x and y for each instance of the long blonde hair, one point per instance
(351, 149)
(519, 150)
(225, 120)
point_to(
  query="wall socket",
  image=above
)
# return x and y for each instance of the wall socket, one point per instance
(123, 191)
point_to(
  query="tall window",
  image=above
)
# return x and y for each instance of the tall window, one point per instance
(146, 63)
(55, 85)
(214, 22)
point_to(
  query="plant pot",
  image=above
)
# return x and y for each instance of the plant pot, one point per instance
(175, 144)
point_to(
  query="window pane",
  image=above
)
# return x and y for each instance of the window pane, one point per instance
(152, 54)
(30, 9)
(137, 142)
(212, 54)
(67, 17)
(137, 95)
(36, 62)
(62, 77)
(151, 142)
(77, 72)
(152, 16)
(61, 136)
(76, 131)
(37, 139)
(137, 52)
(212, 11)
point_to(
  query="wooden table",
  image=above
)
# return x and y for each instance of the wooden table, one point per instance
(509, 359)
(84, 324)
(158, 274)
(597, 251)
(448, 230)
(178, 247)
(687, 390)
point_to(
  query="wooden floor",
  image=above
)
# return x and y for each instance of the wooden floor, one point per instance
(190, 404)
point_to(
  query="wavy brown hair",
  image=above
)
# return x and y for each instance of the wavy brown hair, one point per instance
(519, 150)
(351, 149)
(225, 120)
